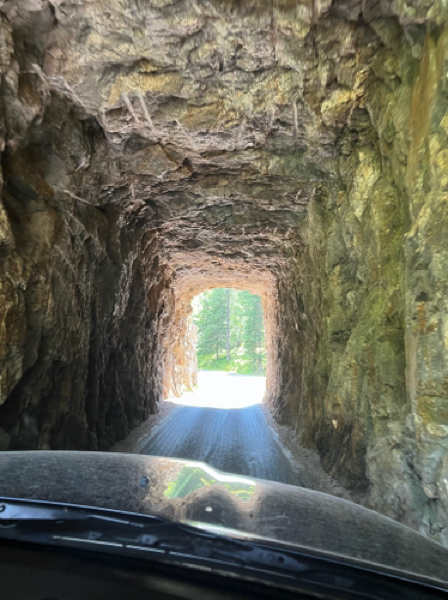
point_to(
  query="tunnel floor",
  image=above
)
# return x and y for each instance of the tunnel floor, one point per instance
(233, 440)
(225, 424)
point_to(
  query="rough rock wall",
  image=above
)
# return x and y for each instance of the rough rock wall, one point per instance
(374, 395)
(354, 337)
(80, 350)
(426, 280)
(180, 362)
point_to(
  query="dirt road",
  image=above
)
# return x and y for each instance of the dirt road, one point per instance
(237, 439)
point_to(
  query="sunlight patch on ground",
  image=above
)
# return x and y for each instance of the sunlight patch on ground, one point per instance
(217, 389)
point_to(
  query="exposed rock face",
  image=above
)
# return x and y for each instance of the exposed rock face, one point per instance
(377, 347)
(151, 150)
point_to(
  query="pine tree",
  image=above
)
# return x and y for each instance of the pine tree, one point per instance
(253, 330)
(227, 291)
(211, 322)
(230, 325)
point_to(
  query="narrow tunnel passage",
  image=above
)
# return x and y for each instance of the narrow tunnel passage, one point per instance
(151, 154)
(222, 421)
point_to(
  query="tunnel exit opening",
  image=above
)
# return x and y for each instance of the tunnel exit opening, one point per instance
(230, 332)
(227, 329)
(222, 335)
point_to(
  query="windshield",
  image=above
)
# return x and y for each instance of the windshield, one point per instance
(223, 243)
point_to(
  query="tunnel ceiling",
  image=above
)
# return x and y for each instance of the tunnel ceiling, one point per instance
(216, 121)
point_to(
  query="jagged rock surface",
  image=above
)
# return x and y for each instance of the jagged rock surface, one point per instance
(151, 150)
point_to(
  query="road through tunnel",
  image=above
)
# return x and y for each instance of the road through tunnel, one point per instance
(297, 150)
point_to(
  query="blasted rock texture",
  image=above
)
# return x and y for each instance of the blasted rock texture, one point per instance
(297, 149)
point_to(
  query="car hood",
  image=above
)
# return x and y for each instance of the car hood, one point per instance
(194, 493)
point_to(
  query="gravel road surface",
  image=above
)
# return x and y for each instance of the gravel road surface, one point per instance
(236, 440)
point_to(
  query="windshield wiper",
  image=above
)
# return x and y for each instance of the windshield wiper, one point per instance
(37, 510)
(156, 538)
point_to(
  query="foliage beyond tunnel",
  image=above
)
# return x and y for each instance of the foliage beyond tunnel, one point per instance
(231, 333)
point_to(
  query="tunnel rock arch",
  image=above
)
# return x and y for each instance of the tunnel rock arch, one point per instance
(193, 281)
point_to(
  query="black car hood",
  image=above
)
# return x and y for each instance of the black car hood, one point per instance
(194, 493)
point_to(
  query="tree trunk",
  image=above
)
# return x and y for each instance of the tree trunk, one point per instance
(260, 357)
(228, 325)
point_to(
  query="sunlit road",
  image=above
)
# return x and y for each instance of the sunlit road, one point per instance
(236, 439)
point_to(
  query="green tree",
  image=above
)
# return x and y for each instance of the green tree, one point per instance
(227, 292)
(230, 330)
(253, 331)
(211, 321)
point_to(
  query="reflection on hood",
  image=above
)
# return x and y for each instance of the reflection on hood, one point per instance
(192, 492)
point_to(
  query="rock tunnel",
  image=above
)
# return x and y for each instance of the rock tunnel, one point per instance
(152, 149)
